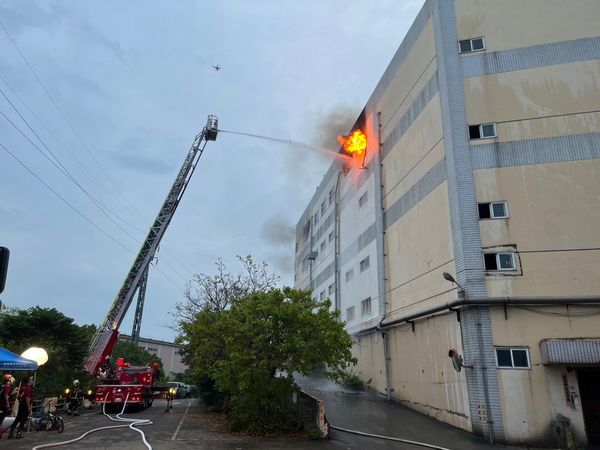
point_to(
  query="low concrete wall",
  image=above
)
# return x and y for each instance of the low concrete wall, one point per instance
(311, 412)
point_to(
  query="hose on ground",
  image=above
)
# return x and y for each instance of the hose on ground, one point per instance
(131, 423)
(389, 438)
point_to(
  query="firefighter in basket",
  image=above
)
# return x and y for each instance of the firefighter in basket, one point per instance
(73, 398)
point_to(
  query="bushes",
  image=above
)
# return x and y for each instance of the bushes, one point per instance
(250, 350)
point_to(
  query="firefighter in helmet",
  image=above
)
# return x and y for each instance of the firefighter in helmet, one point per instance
(73, 398)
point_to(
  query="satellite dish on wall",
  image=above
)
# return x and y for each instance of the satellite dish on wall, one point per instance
(457, 360)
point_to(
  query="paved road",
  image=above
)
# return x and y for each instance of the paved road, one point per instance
(187, 426)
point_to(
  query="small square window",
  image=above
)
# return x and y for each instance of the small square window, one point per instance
(364, 264)
(499, 210)
(490, 261)
(474, 132)
(484, 210)
(349, 275)
(330, 289)
(331, 196)
(350, 314)
(331, 236)
(323, 209)
(488, 130)
(323, 246)
(513, 358)
(504, 358)
(520, 357)
(465, 46)
(362, 200)
(477, 44)
(322, 296)
(506, 261)
(365, 307)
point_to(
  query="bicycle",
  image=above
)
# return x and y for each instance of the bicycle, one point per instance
(49, 421)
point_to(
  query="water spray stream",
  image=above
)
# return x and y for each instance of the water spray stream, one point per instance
(331, 153)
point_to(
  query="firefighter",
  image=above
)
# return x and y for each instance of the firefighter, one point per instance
(7, 382)
(73, 398)
(170, 395)
(25, 401)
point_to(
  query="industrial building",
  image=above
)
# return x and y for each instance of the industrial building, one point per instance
(168, 352)
(483, 162)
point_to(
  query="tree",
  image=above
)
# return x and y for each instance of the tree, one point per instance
(252, 349)
(217, 291)
(65, 342)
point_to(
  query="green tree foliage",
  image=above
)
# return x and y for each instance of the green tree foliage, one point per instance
(252, 349)
(65, 342)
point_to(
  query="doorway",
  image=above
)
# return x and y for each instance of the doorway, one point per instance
(589, 391)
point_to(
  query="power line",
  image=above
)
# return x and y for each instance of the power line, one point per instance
(64, 117)
(65, 201)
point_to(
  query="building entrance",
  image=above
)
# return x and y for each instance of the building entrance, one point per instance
(589, 390)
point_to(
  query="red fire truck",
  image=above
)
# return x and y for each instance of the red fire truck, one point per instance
(122, 383)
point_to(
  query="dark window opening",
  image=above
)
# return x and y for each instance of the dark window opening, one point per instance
(504, 359)
(490, 261)
(484, 211)
(474, 132)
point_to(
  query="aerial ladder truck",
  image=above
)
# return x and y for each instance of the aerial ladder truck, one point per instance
(135, 385)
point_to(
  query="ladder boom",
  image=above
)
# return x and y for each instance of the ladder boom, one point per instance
(105, 337)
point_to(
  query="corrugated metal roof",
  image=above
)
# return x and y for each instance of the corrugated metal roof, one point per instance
(570, 351)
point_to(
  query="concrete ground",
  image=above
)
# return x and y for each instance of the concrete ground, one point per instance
(368, 412)
(189, 426)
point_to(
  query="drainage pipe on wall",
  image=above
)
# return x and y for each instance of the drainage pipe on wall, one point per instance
(336, 257)
(487, 301)
(381, 267)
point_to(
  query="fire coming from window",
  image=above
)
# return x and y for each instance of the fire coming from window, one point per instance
(355, 143)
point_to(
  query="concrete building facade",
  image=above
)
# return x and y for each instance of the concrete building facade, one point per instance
(168, 352)
(483, 161)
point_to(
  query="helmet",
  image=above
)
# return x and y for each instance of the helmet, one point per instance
(75, 382)
(8, 377)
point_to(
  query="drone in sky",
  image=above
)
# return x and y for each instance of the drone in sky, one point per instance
(217, 68)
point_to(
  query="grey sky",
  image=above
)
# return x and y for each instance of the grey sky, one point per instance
(135, 80)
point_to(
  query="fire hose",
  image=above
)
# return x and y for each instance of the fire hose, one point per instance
(132, 423)
(388, 438)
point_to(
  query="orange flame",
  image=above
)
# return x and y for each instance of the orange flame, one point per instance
(355, 143)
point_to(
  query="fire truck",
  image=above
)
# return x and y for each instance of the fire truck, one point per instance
(120, 382)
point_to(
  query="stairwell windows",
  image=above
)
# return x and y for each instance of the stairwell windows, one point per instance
(364, 264)
(323, 244)
(349, 275)
(331, 196)
(331, 236)
(482, 131)
(362, 201)
(330, 289)
(499, 261)
(323, 207)
(365, 307)
(512, 358)
(471, 45)
(322, 296)
(349, 314)
(493, 210)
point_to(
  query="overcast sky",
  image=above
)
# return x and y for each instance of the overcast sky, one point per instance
(134, 79)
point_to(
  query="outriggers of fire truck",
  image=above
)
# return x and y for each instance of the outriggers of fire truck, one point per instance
(121, 383)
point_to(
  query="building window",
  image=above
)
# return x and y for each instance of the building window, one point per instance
(363, 200)
(330, 289)
(323, 246)
(331, 196)
(350, 314)
(482, 131)
(322, 296)
(471, 45)
(349, 275)
(331, 236)
(499, 261)
(493, 210)
(513, 358)
(364, 264)
(365, 307)
(323, 209)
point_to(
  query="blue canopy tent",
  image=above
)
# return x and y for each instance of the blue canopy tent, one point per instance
(12, 361)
